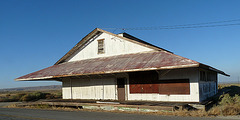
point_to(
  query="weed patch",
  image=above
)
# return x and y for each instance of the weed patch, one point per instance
(29, 96)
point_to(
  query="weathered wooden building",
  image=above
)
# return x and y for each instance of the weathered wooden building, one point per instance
(107, 66)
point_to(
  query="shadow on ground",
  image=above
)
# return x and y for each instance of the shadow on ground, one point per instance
(231, 90)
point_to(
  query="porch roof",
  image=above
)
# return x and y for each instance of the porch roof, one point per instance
(155, 60)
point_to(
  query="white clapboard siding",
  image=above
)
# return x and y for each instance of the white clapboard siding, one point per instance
(102, 88)
(112, 46)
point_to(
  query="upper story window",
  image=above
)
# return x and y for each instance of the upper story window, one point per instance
(208, 76)
(203, 76)
(101, 46)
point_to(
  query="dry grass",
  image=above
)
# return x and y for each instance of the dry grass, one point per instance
(15, 96)
(227, 104)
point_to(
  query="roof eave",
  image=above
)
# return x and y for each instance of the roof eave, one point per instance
(70, 52)
(110, 72)
(213, 69)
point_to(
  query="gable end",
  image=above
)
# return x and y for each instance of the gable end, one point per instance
(97, 32)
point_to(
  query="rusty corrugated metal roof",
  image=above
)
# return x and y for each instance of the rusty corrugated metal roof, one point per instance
(154, 60)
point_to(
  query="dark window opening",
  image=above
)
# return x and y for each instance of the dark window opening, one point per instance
(101, 46)
(203, 76)
(121, 82)
(208, 76)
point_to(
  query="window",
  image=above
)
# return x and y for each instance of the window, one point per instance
(101, 46)
(203, 76)
(208, 76)
(211, 76)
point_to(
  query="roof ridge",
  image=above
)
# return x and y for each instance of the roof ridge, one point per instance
(141, 41)
(132, 40)
(98, 31)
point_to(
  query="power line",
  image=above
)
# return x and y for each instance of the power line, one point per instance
(184, 26)
(159, 28)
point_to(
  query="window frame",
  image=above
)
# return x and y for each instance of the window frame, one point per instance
(101, 49)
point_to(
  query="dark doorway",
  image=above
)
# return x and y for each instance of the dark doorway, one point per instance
(121, 88)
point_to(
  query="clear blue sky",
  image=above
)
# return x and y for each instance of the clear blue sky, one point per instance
(34, 34)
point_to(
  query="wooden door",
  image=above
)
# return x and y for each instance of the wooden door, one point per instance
(121, 88)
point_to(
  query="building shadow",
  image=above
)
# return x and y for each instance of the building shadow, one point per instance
(232, 90)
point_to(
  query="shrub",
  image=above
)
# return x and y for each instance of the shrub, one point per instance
(236, 99)
(8, 95)
(29, 96)
(49, 96)
(26, 97)
(226, 99)
(227, 106)
(58, 95)
(4, 100)
(33, 96)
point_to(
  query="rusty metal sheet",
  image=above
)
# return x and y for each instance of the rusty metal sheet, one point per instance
(147, 82)
(181, 86)
(114, 64)
(143, 82)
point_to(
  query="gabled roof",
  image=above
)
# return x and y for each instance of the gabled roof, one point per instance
(115, 64)
(157, 59)
(126, 35)
(98, 31)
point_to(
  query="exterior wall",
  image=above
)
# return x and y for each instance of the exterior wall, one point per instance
(90, 88)
(66, 89)
(106, 88)
(191, 74)
(208, 88)
(112, 45)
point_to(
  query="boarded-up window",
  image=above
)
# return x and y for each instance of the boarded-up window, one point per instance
(147, 82)
(101, 46)
(143, 82)
(181, 86)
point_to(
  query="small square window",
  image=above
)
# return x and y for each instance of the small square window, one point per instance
(101, 46)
